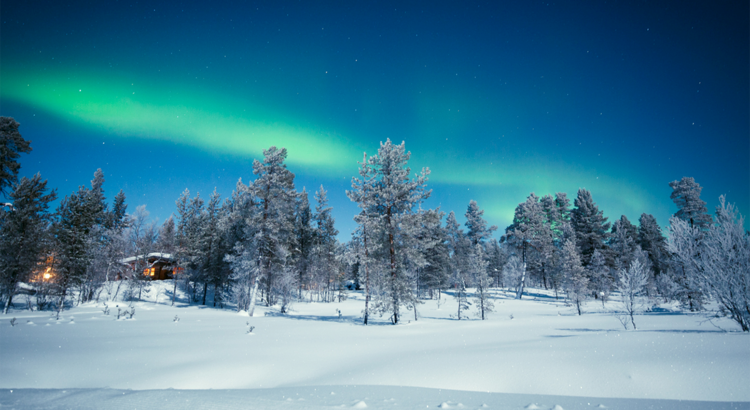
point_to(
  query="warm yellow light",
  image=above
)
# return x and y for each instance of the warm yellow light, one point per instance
(47, 276)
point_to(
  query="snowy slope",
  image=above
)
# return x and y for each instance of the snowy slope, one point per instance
(544, 350)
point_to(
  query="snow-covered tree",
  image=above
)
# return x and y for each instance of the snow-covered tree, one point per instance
(631, 283)
(512, 272)
(24, 239)
(651, 240)
(601, 280)
(324, 244)
(686, 194)
(622, 242)
(365, 237)
(590, 226)
(274, 222)
(478, 231)
(12, 145)
(482, 281)
(394, 198)
(685, 245)
(304, 236)
(77, 235)
(576, 281)
(497, 258)
(435, 276)
(528, 233)
(460, 249)
(722, 265)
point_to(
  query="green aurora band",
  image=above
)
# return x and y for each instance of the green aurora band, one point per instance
(213, 121)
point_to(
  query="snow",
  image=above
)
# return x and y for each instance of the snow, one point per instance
(162, 256)
(546, 356)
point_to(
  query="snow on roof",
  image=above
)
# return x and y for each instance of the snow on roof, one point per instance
(164, 256)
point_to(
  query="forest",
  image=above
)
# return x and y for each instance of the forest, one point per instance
(269, 244)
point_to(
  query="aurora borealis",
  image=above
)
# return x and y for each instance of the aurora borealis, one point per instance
(498, 99)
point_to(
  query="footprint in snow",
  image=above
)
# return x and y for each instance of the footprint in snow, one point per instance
(360, 405)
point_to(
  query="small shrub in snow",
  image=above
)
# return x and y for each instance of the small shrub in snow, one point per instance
(176, 318)
(13, 322)
(249, 328)
(105, 310)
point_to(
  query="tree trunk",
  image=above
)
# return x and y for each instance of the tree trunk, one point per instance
(519, 295)
(10, 298)
(174, 292)
(253, 293)
(392, 251)
(205, 291)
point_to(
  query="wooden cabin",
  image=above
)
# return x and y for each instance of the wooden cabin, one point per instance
(154, 266)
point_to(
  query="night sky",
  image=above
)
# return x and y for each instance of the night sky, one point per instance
(498, 99)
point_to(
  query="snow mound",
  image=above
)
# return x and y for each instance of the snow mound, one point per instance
(444, 405)
(360, 405)
(557, 407)
(532, 406)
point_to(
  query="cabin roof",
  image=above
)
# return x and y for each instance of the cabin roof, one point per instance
(167, 257)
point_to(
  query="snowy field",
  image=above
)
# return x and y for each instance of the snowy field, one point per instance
(544, 356)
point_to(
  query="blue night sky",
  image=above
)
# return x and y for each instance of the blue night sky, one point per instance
(498, 99)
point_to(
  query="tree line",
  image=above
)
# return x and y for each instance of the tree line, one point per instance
(266, 244)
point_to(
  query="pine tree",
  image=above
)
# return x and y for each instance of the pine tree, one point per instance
(23, 234)
(394, 197)
(324, 242)
(590, 226)
(576, 282)
(478, 232)
(459, 246)
(78, 234)
(478, 269)
(622, 242)
(435, 275)
(651, 240)
(528, 233)
(304, 241)
(274, 222)
(363, 194)
(12, 145)
(601, 281)
(497, 258)
(686, 194)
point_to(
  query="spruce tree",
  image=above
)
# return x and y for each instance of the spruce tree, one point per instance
(460, 248)
(622, 243)
(324, 240)
(276, 196)
(303, 241)
(576, 282)
(482, 281)
(651, 240)
(686, 194)
(12, 145)
(590, 226)
(23, 234)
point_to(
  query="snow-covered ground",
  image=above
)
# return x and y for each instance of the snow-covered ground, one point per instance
(545, 355)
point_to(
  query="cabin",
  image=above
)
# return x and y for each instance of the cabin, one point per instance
(154, 266)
